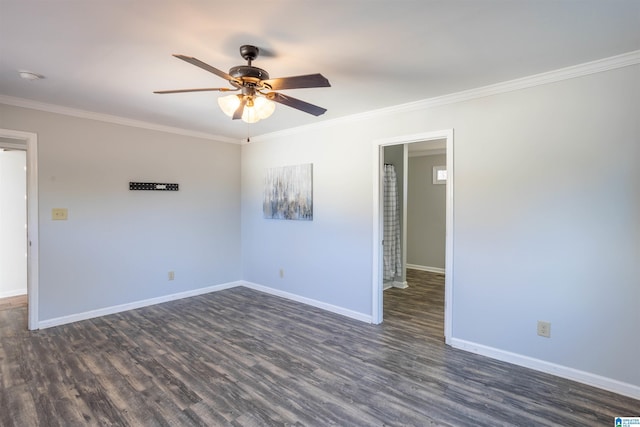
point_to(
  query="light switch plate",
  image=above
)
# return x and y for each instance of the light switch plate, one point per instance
(59, 214)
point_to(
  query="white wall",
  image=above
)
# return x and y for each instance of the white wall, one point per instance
(118, 245)
(327, 259)
(547, 201)
(13, 219)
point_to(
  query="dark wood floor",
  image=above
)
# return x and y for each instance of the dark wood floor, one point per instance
(242, 358)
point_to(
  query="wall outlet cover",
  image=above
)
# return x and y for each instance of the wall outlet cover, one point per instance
(59, 214)
(544, 329)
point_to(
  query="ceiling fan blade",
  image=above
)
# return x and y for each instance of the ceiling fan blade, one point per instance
(206, 89)
(298, 82)
(205, 66)
(238, 113)
(296, 103)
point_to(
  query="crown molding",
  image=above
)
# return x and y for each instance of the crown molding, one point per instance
(580, 70)
(84, 114)
(598, 66)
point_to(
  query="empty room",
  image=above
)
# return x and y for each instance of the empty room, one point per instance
(351, 213)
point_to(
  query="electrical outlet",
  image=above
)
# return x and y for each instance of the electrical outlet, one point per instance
(281, 273)
(544, 329)
(171, 275)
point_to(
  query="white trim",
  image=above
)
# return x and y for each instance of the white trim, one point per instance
(405, 214)
(29, 142)
(588, 378)
(377, 285)
(378, 233)
(14, 293)
(424, 153)
(133, 305)
(315, 303)
(52, 108)
(13, 145)
(448, 262)
(166, 298)
(400, 285)
(426, 268)
(580, 70)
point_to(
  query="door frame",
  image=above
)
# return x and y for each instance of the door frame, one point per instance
(378, 222)
(28, 141)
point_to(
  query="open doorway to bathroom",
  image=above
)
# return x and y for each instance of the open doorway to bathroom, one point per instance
(414, 232)
(423, 166)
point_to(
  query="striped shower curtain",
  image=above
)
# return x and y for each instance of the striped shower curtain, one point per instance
(392, 256)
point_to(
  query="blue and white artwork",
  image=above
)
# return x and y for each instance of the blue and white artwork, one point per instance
(288, 193)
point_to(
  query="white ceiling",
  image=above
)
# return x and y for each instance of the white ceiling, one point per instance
(109, 56)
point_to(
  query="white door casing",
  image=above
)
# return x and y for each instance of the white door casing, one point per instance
(29, 141)
(377, 285)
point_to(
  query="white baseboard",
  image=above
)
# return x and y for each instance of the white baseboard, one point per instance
(166, 298)
(400, 285)
(14, 293)
(319, 304)
(426, 268)
(133, 305)
(550, 368)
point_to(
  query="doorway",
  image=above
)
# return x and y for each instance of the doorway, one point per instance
(28, 142)
(13, 223)
(378, 165)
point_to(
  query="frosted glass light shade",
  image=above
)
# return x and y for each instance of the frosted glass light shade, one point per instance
(261, 108)
(229, 104)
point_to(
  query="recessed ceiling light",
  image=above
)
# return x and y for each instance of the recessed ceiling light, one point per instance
(30, 75)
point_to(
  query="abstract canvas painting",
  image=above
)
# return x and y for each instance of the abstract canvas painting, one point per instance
(288, 193)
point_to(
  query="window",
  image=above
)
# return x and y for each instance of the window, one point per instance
(439, 174)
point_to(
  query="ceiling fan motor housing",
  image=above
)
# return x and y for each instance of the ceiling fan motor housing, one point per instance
(242, 71)
(248, 74)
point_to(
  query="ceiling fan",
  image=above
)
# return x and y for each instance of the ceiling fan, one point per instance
(256, 88)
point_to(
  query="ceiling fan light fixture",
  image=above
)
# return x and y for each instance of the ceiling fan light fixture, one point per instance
(256, 109)
(229, 104)
(263, 107)
(250, 115)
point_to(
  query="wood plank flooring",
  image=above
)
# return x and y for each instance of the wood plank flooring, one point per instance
(13, 302)
(243, 358)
